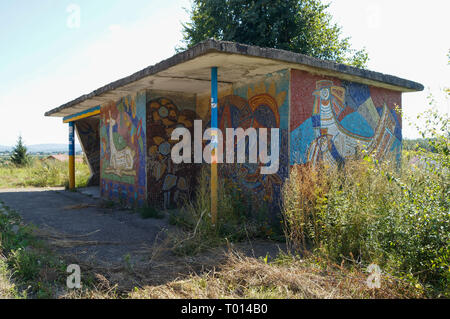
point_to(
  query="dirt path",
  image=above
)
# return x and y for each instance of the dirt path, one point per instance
(77, 224)
(117, 244)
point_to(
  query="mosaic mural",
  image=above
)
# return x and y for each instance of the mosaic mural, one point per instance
(325, 119)
(263, 104)
(332, 120)
(168, 182)
(122, 150)
(88, 134)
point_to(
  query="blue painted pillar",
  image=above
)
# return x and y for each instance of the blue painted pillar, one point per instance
(71, 155)
(214, 144)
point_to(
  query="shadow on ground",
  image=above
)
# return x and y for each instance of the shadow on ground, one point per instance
(113, 243)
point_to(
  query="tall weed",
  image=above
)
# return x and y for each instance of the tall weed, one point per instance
(372, 212)
(237, 219)
(40, 173)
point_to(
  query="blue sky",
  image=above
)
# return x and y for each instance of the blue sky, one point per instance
(45, 61)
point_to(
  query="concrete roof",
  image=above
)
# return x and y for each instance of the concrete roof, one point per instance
(189, 71)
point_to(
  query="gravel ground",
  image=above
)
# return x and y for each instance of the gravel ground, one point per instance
(79, 226)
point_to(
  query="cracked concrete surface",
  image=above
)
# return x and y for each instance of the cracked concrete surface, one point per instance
(82, 228)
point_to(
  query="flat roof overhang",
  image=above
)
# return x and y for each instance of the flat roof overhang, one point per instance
(190, 72)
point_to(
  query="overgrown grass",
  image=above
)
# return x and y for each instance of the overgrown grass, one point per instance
(27, 267)
(287, 277)
(7, 288)
(42, 174)
(240, 216)
(370, 212)
(148, 211)
(29, 270)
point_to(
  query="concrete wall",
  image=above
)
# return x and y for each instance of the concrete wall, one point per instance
(89, 136)
(332, 119)
(123, 150)
(168, 183)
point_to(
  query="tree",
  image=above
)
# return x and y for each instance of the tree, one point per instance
(19, 154)
(301, 26)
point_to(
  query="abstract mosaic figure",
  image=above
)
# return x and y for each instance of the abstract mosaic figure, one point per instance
(166, 178)
(333, 143)
(259, 110)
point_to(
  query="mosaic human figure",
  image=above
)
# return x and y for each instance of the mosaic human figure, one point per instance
(333, 143)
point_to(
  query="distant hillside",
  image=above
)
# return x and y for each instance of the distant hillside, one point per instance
(51, 148)
(44, 148)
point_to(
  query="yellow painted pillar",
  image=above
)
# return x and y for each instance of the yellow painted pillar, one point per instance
(214, 193)
(214, 142)
(71, 156)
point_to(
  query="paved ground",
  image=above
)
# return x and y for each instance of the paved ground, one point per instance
(77, 224)
(118, 244)
(92, 191)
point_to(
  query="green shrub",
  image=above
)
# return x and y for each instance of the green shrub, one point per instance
(26, 264)
(372, 212)
(150, 212)
(25, 260)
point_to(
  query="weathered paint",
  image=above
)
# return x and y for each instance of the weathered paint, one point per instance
(332, 120)
(168, 182)
(214, 143)
(122, 150)
(71, 156)
(259, 104)
(324, 111)
(136, 142)
(81, 115)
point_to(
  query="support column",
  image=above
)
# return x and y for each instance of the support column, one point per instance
(71, 156)
(214, 144)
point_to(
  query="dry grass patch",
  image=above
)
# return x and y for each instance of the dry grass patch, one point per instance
(7, 288)
(244, 277)
(61, 240)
